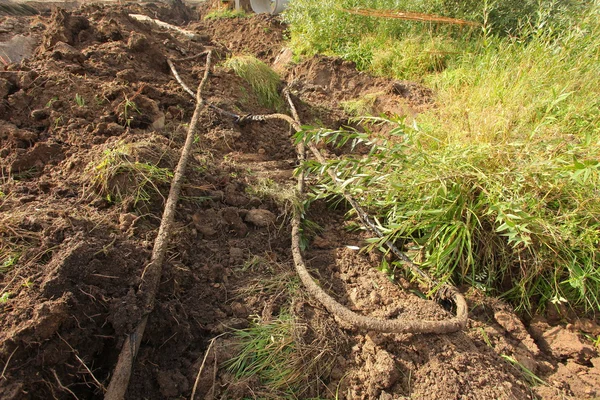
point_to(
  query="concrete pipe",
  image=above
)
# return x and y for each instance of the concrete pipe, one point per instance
(272, 7)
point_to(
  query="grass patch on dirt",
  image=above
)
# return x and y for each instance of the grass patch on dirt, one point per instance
(287, 356)
(267, 350)
(263, 80)
(15, 239)
(275, 352)
(118, 177)
(497, 185)
(267, 188)
(361, 106)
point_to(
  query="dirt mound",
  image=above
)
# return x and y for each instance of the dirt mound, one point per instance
(333, 82)
(91, 126)
(261, 35)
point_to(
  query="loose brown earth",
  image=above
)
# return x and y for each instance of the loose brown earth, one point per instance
(70, 298)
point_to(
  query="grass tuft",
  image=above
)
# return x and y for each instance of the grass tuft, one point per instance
(275, 352)
(362, 106)
(263, 80)
(119, 178)
(268, 189)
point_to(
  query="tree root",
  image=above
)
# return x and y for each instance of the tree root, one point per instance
(153, 271)
(338, 310)
(355, 320)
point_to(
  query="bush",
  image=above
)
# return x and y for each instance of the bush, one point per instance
(498, 185)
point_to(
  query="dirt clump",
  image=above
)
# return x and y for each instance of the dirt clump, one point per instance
(91, 127)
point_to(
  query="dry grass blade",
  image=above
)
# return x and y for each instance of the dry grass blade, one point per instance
(409, 16)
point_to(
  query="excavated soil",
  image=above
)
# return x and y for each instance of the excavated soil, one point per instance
(71, 256)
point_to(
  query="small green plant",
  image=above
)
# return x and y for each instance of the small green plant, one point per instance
(51, 101)
(129, 111)
(529, 375)
(58, 121)
(225, 14)
(99, 100)
(9, 262)
(5, 297)
(263, 80)
(79, 100)
(117, 177)
(595, 340)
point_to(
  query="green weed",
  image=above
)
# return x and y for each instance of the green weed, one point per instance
(58, 121)
(531, 377)
(51, 101)
(595, 340)
(5, 297)
(9, 262)
(79, 100)
(263, 80)
(129, 111)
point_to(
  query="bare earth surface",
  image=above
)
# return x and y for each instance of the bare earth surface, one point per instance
(72, 259)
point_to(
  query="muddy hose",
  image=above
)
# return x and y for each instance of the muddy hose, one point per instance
(153, 271)
(341, 312)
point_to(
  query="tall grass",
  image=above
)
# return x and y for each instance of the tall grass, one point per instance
(499, 185)
(263, 80)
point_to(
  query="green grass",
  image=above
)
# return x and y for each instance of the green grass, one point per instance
(119, 178)
(529, 375)
(496, 186)
(362, 106)
(8, 262)
(268, 350)
(274, 352)
(79, 100)
(263, 80)
(5, 297)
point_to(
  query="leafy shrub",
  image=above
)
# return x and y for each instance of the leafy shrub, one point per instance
(518, 220)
